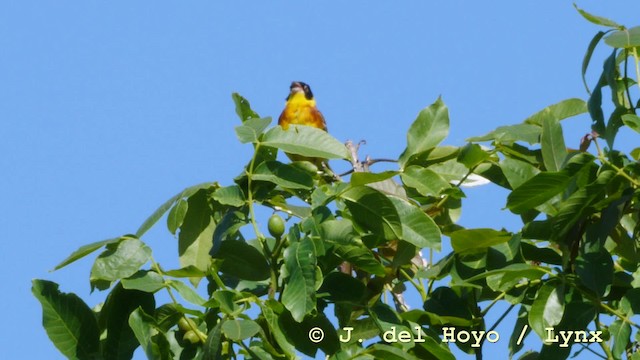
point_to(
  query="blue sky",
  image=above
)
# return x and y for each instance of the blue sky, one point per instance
(109, 108)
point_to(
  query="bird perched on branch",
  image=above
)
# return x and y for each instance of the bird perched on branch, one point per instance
(301, 109)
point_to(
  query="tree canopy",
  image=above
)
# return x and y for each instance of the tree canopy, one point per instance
(330, 270)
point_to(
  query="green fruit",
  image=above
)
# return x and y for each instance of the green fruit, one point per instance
(191, 337)
(306, 166)
(186, 324)
(276, 226)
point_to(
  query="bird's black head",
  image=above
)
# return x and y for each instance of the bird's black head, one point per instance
(299, 86)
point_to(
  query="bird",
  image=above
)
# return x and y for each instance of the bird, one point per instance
(300, 109)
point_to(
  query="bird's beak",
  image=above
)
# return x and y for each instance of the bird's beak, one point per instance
(296, 87)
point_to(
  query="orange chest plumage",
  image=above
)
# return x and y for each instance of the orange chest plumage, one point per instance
(302, 113)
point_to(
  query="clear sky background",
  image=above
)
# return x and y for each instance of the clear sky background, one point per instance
(108, 108)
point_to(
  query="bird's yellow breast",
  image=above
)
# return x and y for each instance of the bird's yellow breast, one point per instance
(302, 111)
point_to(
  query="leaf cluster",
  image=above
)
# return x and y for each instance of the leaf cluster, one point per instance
(347, 250)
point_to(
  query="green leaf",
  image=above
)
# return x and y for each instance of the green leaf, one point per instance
(258, 125)
(614, 124)
(86, 250)
(283, 175)
(68, 321)
(594, 104)
(196, 233)
(543, 255)
(405, 253)
(121, 341)
(279, 204)
(587, 56)
(373, 211)
(189, 271)
(238, 329)
(624, 39)
(259, 351)
(167, 315)
(229, 228)
(562, 110)
(229, 195)
(550, 351)
(432, 345)
(597, 19)
(519, 152)
(213, 345)
(386, 318)
(120, 260)
(187, 293)
(502, 279)
(509, 279)
(509, 134)
(298, 334)
(632, 121)
(570, 211)
(579, 312)
(242, 260)
(450, 170)
(299, 296)
(143, 280)
(271, 310)
(537, 191)
(445, 302)
(176, 216)
(554, 152)
(427, 131)
(517, 172)
(611, 218)
(467, 240)
(426, 181)
(547, 308)
(630, 303)
(574, 208)
(152, 341)
(438, 154)
(306, 141)
(243, 108)
(338, 231)
(578, 162)
(363, 178)
(151, 220)
(471, 155)
(595, 271)
(251, 129)
(383, 351)
(621, 333)
(417, 228)
(227, 301)
(363, 328)
(361, 257)
(389, 187)
(343, 288)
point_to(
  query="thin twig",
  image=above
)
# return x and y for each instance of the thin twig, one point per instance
(504, 315)
(637, 61)
(626, 78)
(373, 161)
